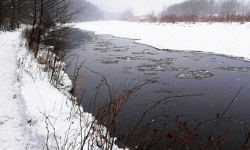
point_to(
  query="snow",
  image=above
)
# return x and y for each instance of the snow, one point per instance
(35, 114)
(218, 38)
(13, 126)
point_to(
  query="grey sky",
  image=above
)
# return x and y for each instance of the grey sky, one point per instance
(139, 6)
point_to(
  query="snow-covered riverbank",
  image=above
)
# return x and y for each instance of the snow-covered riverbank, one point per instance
(34, 115)
(14, 131)
(219, 38)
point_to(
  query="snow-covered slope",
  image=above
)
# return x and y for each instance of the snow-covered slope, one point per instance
(219, 38)
(34, 115)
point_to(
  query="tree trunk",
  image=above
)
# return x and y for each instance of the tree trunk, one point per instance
(34, 21)
(39, 28)
(1, 15)
(19, 14)
(12, 24)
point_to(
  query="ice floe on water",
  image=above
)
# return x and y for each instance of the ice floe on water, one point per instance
(110, 61)
(146, 52)
(238, 69)
(128, 58)
(109, 45)
(159, 67)
(199, 75)
(167, 61)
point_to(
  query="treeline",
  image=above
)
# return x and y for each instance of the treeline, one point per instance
(32, 12)
(16, 12)
(44, 31)
(10, 14)
(45, 20)
(207, 11)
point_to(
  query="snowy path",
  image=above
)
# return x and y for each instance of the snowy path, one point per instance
(13, 131)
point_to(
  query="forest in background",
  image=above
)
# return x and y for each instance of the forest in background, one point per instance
(196, 11)
(206, 11)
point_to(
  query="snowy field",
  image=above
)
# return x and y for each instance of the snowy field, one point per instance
(34, 115)
(219, 38)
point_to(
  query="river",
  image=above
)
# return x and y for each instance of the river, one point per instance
(213, 80)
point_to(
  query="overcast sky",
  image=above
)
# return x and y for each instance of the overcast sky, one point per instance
(139, 6)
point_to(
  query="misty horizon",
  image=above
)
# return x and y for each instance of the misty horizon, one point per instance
(140, 7)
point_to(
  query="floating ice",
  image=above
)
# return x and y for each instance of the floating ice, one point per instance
(110, 61)
(128, 58)
(238, 69)
(145, 52)
(167, 61)
(199, 75)
(159, 67)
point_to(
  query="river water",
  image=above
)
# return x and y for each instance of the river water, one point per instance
(214, 81)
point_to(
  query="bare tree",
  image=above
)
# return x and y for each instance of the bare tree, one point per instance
(152, 17)
(229, 7)
(127, 14)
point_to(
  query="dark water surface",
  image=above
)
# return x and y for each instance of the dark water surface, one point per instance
(217, 78)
